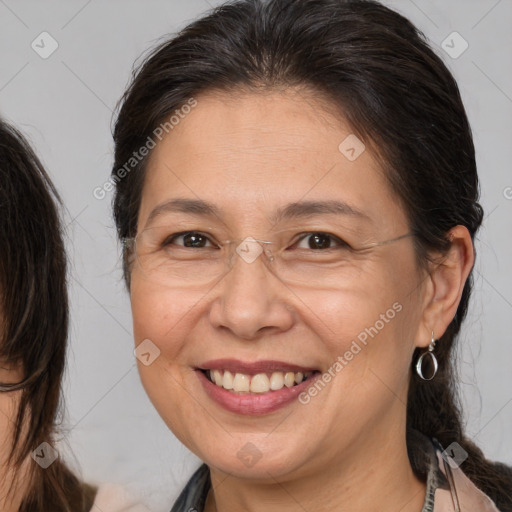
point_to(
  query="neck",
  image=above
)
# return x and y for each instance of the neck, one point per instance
(14, 482)
(375, 476)
(12, 488)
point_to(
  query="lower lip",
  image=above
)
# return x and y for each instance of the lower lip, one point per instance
(253, 404)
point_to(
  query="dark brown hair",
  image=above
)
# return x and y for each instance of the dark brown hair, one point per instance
(34, 311)
(398, 97)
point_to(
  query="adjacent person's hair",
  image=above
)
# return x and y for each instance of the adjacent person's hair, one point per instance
(399, 98)
(34, 320)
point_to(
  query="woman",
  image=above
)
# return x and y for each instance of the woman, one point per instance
(33, 336)
(297, 194)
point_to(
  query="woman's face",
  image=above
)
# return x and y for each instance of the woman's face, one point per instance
(355, 316)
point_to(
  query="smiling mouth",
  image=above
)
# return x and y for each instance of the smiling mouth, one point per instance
(257, 383)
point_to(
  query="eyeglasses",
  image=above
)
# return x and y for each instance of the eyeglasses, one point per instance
(313, 259)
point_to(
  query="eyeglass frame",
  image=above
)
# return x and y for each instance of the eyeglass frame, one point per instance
(133, 240)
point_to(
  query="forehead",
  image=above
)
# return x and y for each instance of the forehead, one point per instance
(254, 153)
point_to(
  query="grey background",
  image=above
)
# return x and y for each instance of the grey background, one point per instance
(64, 104)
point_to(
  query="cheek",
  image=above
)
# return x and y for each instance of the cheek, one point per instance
(359, 328)
(371, 327)
(161, 315)
(157, 327)
(166, 317)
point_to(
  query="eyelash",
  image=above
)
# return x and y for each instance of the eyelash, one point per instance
(337, 240)
(302, 236)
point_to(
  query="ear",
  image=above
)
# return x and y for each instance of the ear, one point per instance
(444, 286)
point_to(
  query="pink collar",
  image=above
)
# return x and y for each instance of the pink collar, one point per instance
(463, 495)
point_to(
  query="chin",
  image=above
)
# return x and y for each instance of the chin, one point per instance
(256, 457)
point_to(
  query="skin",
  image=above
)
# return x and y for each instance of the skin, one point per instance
(10, 496)
(249, 154)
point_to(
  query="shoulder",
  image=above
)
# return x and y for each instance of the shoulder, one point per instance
(448, 488)
(463, 493)
(193, 496)
(115, 498)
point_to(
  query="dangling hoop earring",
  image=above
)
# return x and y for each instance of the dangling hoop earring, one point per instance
(430, 353)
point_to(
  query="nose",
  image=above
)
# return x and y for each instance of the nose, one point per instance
(250, 300)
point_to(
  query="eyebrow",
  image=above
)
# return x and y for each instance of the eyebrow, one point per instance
(296, 210)
(303, 209)
(190, 206)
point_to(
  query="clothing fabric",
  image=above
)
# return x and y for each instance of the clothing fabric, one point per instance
(447, 488)
(115, 498)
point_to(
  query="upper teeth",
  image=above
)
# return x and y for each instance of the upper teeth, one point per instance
(259, 383)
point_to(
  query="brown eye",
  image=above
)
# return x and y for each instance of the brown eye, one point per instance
(190, 239)
(194, 240)
(320, 241)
